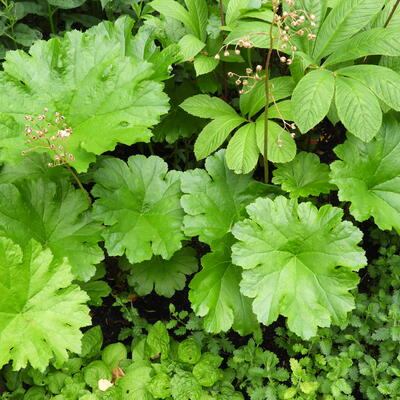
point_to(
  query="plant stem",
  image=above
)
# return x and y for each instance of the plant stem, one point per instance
(77, 180)
(392, 13)
(50, 14)
(267, 94)
(225, 81)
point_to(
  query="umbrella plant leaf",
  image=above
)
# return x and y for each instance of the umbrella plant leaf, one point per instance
(298, 261)
(304, 176)
(55, 215)
(90, 79)
(40, 311)
(368, 175)
(139, 202)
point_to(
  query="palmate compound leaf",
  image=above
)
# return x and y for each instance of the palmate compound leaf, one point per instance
(40, 311)
(55, 215)
(214, 199)
(368, 175)
(298, 261)
(164, 276)
(106, 96)
(139, 202)
(304, 176)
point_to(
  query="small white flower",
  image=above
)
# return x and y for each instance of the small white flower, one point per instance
(64, 133)
(104, 384)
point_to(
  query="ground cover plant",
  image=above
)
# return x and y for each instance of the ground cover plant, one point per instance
(200, 199)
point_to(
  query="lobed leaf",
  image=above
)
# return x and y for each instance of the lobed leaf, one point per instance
(139, 202)
(215, 198)
(89, 78)
(41, 311)
(298, 261)
(55, 215)
(164, 276)
(304, 176)
(368, 175)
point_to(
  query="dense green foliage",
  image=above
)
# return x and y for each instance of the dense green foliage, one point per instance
(240, 158)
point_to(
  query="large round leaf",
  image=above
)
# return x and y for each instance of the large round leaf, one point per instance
(298, 261)
(215, 198)
(139, 202)
(368, 175)
(40, 311)
(106, 96)
(304, 176)
(55, 215)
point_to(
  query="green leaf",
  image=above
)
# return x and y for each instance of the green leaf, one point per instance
(368, 175)
(304, 176)
(164, 276)
(26, 35)
(255, 30)
(41, 311)
(139, 202)
(95, 371)
(357, 108)
(215, 295)
(312, 98)
(343, 22)
(158, 339)
(33, 166)
(206, 374)
(198, 12)
(298, 261)
(55, 215)
(190, 46)
(384, 82)
(113, 354)
(92, 342)
(299, 65)
(184, 386)
(382, 41)
(205, 106)
(189, 351)
(204, 64)
(160, 386)
(281, 111)
(242, 152)
(96, 288)
(253, 101)
(83, 76)
(214, 135)
(233, 10)
(66, 4)
(135, 382)
(215, 198)
(281, 145)
(172, 9)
